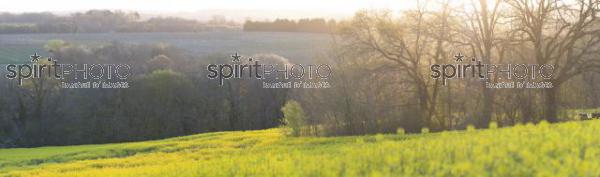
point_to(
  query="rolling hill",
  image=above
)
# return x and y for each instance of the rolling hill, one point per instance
(299, 47)
(564, 149)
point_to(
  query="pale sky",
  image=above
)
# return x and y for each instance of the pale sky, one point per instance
(331, 6)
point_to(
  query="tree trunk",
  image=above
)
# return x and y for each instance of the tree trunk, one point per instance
(486, 114)
(423, 107)
(551, 105)
(526, 109)
(234, 108)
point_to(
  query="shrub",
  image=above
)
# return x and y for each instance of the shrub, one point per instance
(294, 118)
(400, 131)
(493, 125)
(470, 128)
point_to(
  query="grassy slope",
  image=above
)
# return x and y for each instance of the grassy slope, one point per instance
(566, 149)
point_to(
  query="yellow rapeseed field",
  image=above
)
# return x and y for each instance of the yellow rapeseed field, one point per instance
(565, 149)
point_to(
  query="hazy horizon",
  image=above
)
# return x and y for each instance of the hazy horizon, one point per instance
(233, 9)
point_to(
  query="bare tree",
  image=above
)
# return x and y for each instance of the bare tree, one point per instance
(481, 31)
(563, 33)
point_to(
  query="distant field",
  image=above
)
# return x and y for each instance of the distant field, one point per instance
(294, 46)
(565, 149)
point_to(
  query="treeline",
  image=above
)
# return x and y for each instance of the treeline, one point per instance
(383, 81)
(317, 25)
(170, 95)
(96, 21)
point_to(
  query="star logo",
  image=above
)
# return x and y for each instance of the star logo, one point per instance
(459, 57)
(236, 57)
(35, 57)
